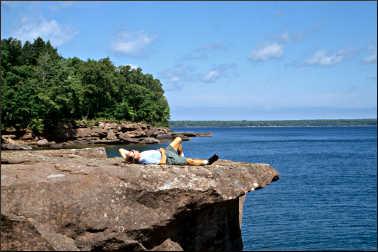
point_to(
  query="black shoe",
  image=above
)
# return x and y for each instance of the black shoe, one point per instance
(212, 159)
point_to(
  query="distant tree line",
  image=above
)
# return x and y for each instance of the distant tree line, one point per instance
(40, 88)
(287, 123)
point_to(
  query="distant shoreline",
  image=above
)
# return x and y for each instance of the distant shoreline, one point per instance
(279, 123)
(275, 126)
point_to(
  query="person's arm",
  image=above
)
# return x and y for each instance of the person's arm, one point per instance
(163, 159)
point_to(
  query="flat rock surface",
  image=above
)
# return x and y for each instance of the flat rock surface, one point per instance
(77, 199)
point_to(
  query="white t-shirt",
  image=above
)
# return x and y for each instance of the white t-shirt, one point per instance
(150, 157)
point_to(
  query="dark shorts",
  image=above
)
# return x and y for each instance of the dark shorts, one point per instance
(173, 157)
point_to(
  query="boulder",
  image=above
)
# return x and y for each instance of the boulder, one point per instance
(80, 200)
(164, 136)
(109, 125)
(136, 133)
(129, 127)
(126, 139)
(152, 132)
(43, 143)
(91, 132)
(111, 135)
(12, 146)
(149, 140)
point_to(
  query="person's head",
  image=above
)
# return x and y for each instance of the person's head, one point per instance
(130, 156)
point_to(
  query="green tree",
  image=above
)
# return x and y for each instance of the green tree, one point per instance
(41, 88)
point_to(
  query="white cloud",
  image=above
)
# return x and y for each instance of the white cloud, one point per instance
(132, 66)
(267, 52)
(219, 71)
(131, 43)
(211, 76)
(372, 58)
(274, 49)
(173, 79)
(323, 58)
(174, 75)
(290, 37)
(178, 73)
(32, 28)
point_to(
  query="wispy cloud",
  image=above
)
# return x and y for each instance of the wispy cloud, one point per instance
(324, 58)
(219, 71)
(175, 77)
(211, 76)
(275, 46)
(290, 37)
(203, 51)
(372, 58)
(32, 28)
(131, 43)
(178, 73)
(267, 51)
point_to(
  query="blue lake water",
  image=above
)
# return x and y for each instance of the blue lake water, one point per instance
(326, 197)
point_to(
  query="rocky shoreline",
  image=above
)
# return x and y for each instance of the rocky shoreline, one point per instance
(67, 135)
(78, 199)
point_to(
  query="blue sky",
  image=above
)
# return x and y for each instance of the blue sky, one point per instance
(224, 60)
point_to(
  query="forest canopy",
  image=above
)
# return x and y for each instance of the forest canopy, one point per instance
(40, 88)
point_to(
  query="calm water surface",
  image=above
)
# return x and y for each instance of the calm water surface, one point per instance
(326, 198)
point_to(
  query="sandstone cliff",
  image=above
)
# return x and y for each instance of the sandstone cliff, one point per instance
(81, 200)
(69, 134)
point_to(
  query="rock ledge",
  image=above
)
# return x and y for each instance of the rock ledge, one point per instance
(101, 133)
(80, 200)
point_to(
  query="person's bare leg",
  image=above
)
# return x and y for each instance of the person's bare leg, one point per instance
(211, 160)
(176, 144)
(196, 162)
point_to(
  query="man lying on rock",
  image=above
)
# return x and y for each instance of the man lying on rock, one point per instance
(172, 154)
